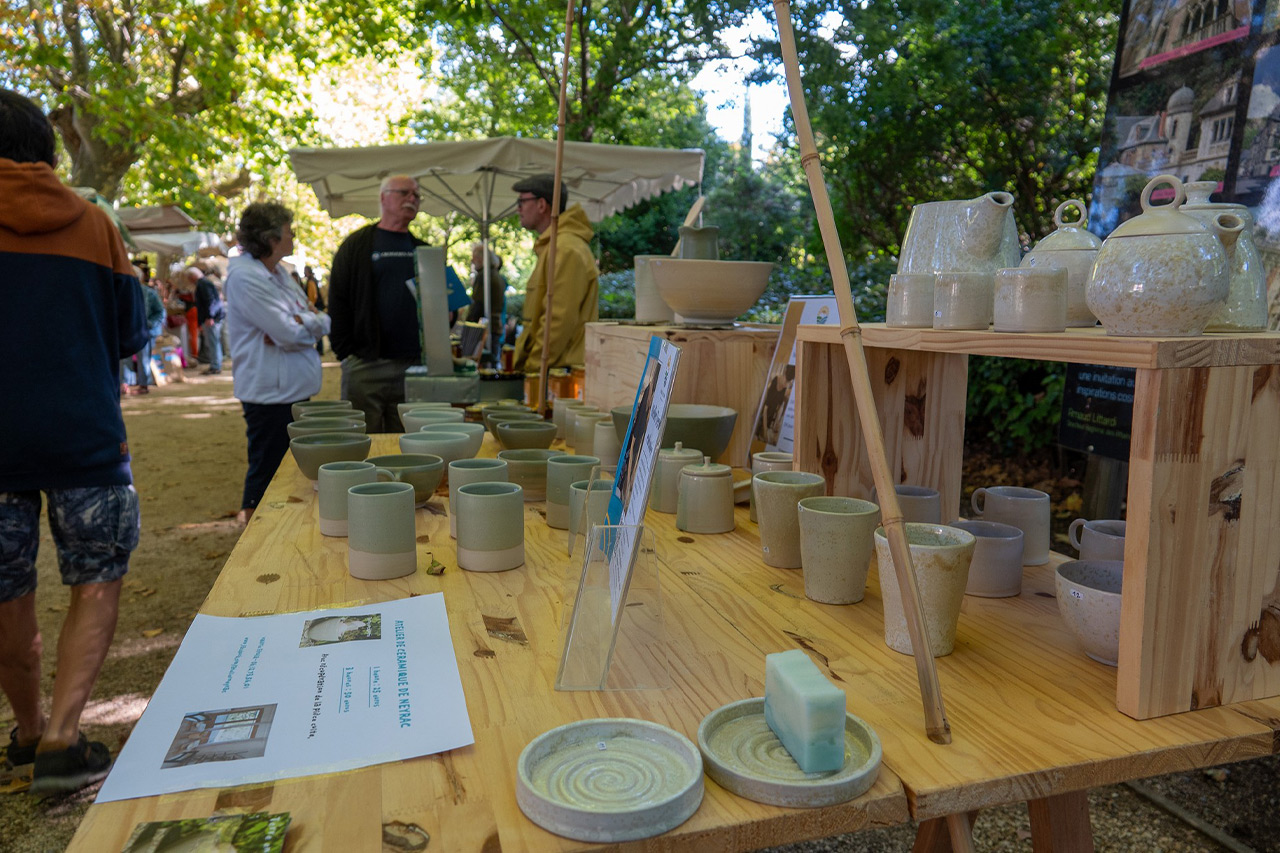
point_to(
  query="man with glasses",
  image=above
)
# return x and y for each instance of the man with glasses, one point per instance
(373, 307)
(575, 296)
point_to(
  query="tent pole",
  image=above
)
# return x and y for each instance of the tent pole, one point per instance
(555, 211)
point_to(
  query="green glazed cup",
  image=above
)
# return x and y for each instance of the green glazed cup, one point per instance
(528, 468)
(381, 538)
(463, 472)
(563, 471)
(334, 481)
(490, 527)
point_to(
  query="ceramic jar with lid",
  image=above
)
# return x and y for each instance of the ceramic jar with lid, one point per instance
(1246, 308)
(704, 503)
(1074, 249)
(1162, 273)
(663, 496)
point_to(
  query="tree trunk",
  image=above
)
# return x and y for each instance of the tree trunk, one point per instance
(94, 162)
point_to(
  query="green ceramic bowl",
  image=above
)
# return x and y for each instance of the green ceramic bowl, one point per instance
(423, 471)
(708, 428)
(331, 412)
(519, 435)
(311, 426)
(312, 451)
(401, 408)
(492, 419)
(449, 446)
(313, 405)
(416, 419)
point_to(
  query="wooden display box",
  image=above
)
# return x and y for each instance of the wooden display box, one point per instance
(718, 367)
(1201, 612)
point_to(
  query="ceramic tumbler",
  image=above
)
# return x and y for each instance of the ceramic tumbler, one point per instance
(941, 557)
(584, 431)
(381, 538)
(963, 300)
(562, 471)
(767, 460)
(1030, 299)
(528, 468)
(777, 495)
(588, 506)
(605, 444)
(665, 491)
(334, 480)
(559, 409)
(918, 503)
(910, 301)
(1025, 509)
(463, 472)
(704, 499)
(1097, 540)
(490, 527)
(571, 413)
(837, 536)
(996, 570)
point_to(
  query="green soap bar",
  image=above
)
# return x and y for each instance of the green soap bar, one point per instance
(805, 711)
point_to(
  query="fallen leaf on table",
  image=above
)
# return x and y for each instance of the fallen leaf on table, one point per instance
(57, 608)
(424, 538)
(436, 567)
(152, 632)
(294, 499)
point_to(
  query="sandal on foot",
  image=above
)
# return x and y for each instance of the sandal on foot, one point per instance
(17, 754)
(64, 770)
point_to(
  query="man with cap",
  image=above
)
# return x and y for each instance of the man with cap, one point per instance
(575, 292)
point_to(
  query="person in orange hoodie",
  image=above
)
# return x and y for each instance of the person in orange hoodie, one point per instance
(64, 276)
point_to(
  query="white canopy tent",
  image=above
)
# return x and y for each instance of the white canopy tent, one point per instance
(180, 243)
(475, 177)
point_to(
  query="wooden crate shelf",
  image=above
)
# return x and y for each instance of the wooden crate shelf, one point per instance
(1201, 613)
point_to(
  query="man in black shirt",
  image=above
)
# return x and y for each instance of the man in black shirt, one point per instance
(210, 312)
(374, 309)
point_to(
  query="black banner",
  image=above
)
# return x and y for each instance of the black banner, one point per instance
(1097, 410)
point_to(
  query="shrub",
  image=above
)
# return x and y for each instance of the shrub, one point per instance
(1014, 404)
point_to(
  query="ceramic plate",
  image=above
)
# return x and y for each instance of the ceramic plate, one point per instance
(609, 780)
(744, 756)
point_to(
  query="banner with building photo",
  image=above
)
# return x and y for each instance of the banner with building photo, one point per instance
(1195, 93)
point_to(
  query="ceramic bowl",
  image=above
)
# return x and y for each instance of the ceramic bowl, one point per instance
(476, 431)
(311, 426)
(1089, 601)
(518, 435)
(332, 412)
(423, 471)
(312, 405)
(449, 446)
(312, 451)
(492, 419)
(708, 428)
(703, 291)
(403, 408)
(416, 419)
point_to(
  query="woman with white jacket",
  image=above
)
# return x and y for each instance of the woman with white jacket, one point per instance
(273, 332)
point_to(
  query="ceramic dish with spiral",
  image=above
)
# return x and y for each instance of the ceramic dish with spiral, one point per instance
(609, 780)
(744, 756)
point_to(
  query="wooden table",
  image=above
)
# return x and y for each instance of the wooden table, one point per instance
(1033, 718)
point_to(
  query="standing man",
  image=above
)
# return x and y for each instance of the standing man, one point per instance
(210, 314)
(374, 307)
(575, 297)
(67, 278)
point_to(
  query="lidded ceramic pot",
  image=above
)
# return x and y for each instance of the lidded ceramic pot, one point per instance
(1162, 273)
(1074, 249)
(664, 494)
(1246, 308)
(705, 498)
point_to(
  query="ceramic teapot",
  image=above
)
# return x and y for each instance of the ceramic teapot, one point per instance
(1162, 273)
(1246, 308)
(1074, 249)
(973, 235)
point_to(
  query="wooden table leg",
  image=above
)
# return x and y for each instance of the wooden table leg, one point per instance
(1060, 824)
(934, 835)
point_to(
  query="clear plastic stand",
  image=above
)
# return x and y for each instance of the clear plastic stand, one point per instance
(615, 637)
(594, 511)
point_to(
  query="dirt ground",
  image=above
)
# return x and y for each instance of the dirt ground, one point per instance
(188, 448)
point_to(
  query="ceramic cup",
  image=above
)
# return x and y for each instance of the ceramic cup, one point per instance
(559, 409)
(770, 460)
(910, 301)
(777, 495)
(664, 492)
(918, 503)
(837, 536)
(996, 570)
(963, 300)
(381, 539)
(584, 514)
(1030, 299)
(1089, 601)
(584, 430)
(490, 527)
(605, 443)
(463, 472)
(941, 557)
(334, 480)
(571, 413)
(1098, 540)
(1026, 509)
(563, 471)
(704, 499)
(528, 468)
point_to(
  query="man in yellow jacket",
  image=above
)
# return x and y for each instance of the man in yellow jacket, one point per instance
(575, 295)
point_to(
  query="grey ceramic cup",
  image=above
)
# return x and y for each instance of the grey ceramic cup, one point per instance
(1089, 597)
(963, 300)
(1026, 509)
(563, 471)
(584, 430)
(770, 460)
(837, 536)
(910, 300)
(381, 538)
(1030, 299)
(571, 413)
(490, 527)
(528, 468)
(334, 480)
(605, 444)
(777, 495)
(918, 503)
(463, 472)
(996, 570)
(588, 506)
(1098, 540)
(940, 555)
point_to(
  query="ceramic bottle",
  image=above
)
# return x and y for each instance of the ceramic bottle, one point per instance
(1246, 308)
(1074, 249)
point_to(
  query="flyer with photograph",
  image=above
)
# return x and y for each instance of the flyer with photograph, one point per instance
(272, 697)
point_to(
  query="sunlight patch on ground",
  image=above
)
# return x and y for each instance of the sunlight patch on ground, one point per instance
(135, 646)
(115, 710)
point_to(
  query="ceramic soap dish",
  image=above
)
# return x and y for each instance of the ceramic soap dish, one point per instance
(609, 780)
(745, 757)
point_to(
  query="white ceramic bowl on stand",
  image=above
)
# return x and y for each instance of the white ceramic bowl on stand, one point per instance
(710, 292)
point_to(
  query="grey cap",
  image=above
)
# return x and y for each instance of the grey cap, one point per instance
(542, 186)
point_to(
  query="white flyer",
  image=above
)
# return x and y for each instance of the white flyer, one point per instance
(273, 697)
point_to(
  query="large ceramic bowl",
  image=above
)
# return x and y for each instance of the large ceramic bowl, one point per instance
(518, 435)
(312, 426)
(449, 446)
(313, 405)
(312, 451)
(492, 419)
(714, 292)
(423, 471)
(418, 418)
(1089, 601)
(705, 428)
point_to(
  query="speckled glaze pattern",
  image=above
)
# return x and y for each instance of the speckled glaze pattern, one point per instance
(1089, 602)
(1246, 306)
(835, 547)
(744, 756)
(1031, 299)
(972, 235)
(1074, 249)
(941, 556)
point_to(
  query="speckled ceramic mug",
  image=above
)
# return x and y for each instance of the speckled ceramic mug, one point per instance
(767, 460)
(963, 300)
(778, 493)
(836, 540)
(910, 301)
(1031, 299)
(941, 556)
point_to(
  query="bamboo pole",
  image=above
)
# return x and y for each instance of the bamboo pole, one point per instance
(891, 514)
(555, 211)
